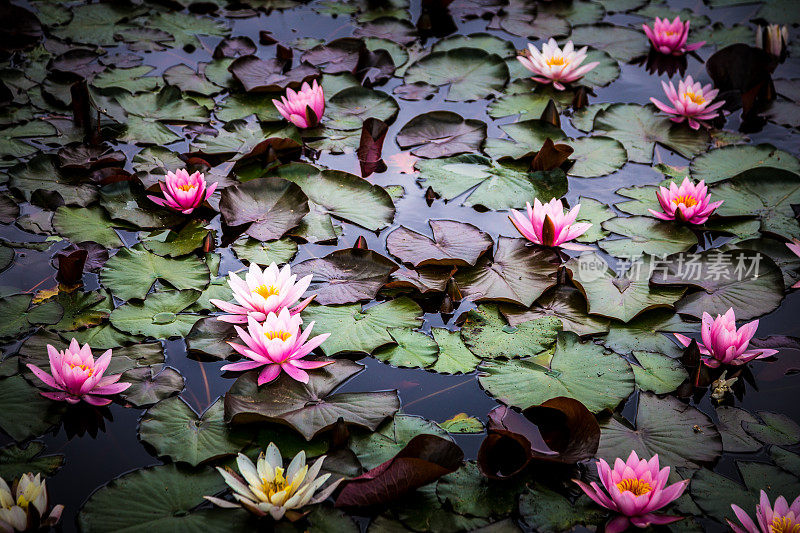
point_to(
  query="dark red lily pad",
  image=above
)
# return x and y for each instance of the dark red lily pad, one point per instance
(453, 243)
(271, 207)
(441, 134)
(259, 75)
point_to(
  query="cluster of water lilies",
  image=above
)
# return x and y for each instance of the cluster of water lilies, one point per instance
(24, 506)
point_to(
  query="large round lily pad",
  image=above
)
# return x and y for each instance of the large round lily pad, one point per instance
(161, 315)
(441, 134)
(347, 109)
(582, 371)
(271, 207)
(471, 73)
(596, 156)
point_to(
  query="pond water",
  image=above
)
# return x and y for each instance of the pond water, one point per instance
(726, 462)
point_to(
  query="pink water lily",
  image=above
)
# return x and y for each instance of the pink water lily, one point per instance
(278, 345)
(794, 246)
(773, 39)
(723, 344)
(77, 376)
(670, 37)
(554, 65)
(184, 192)
(304, 109)
(692, 102)
(263, 292)
(548, 224)
(687, 203)
(635, 489)
(782, 518)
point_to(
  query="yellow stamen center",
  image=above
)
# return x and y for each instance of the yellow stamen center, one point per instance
(282, 335)
(85, 368)
(267, 290)
(696, 98)
(784, 525)
(279, 484)
(635, 486)
(556, 61)
(187, 187)
(22, 502)
(670, 33)
(686, 200)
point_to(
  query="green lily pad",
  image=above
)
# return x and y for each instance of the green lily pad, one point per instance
(175, 430)
(347, 109)
(411, 349)
(309, 408)
(623, 44)
(517, 273)
(743, 279)
(726, 162)
(596, 156)
(42, 173)
(189, 80)
(468, 492)
(658, 373)
(714, 493)
(583, 119)
(681, 435)
(186, 27)
(17, 316)
(645, 235)
(159, 499)
(776, 429)
(471, 73)
(239, 106)
(127, 202)
(734, 438)
(493, 185)
(483, 41)
(147, 113)
(781, 255)
(603, 74)
(529, 135)
(622, 297)
(454, 356)
(594, 212)
(765, 192)
(461, 423)
(11, 143)
(646, 333)
(378, 446)
(240, 140)
(96, 24)
(264, 253)
(564, 303)
(171, 243)
(133, 79)
(354, 329)
(151, 384)
(16, 460)
(81, 309)
(441, 134)
(132, 272)
(583, 371)
(159, 315)
(640, 128)
(488, 335)
(24, 413)
(547, 511)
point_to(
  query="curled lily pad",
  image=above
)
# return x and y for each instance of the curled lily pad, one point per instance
(175, 430)
(583, 371)
(309, 408)
(471, 73)
(493, 185)
(271, 207)
(681, 435)
(441, 134)
(453, 243)
(517, 273)
(354, 329)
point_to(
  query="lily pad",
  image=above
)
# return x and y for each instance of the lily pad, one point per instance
(471, 73)
(175, 243)
(175, 430)
(11, 138)
(657, 372)
(640, 128)
(563, 302)
(264, 253)
(726, 162)
(776, 429)
(646, 333)
(681, 435)
(517, 273)
(743, 279)
(347, 109)
(488, 335)
(623, 44)
(17, 460)
(159, 499)
(583, 371)
(547, 511)
(132, 272)
(645, 235)
(148, 112)
(453, 243)
(151, 384)
(411, 349)
(493, 185)
(454, 356)
(623, 297)
(469, 492)
(160, 315)
(209, 337)
(380, 445)
(346, 276)
(441, 134)
(734, 438)
(42, 174)
(271, 207)
(354, 329)
(596, 156)
(17, 315)
(24, 413)
(309, 408)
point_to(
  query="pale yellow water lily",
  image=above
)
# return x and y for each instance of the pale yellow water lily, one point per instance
(25, 495)
(267, 488)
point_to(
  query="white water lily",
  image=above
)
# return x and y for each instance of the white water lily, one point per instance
(266, 488)
(17, 501)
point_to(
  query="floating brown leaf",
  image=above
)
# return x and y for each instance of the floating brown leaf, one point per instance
(453, 243)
